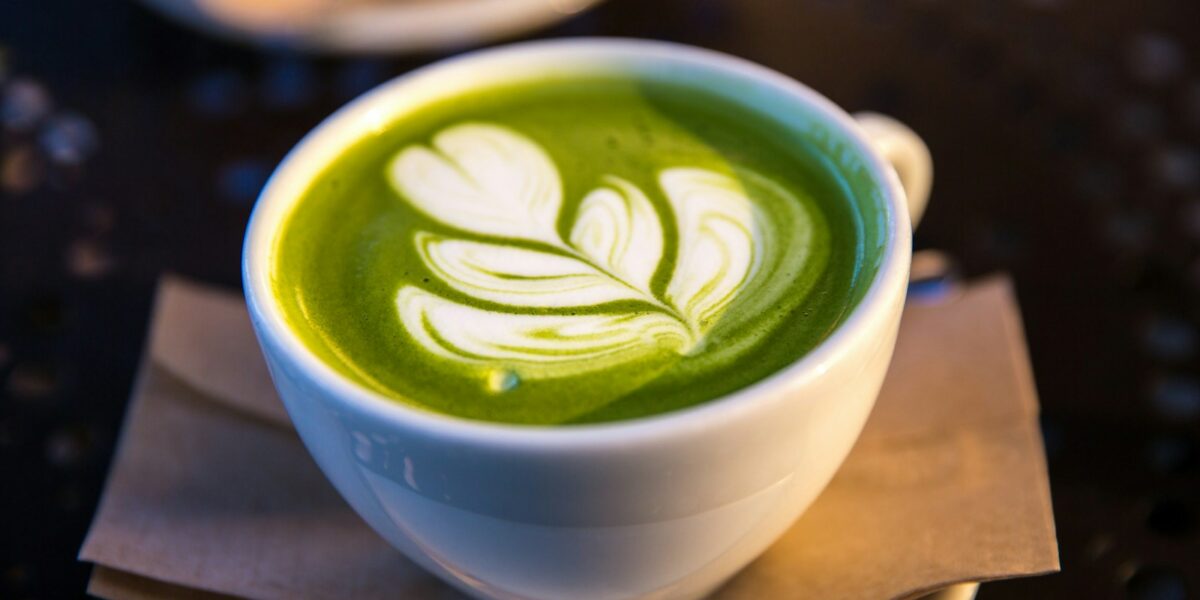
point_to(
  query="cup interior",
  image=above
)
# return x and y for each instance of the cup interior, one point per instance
(871, 186)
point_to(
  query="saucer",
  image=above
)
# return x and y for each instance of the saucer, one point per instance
(368, 26)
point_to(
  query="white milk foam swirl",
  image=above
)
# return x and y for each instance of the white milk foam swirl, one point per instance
(492, 181)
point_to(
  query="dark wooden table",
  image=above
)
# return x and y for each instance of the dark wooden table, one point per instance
(1066, 136)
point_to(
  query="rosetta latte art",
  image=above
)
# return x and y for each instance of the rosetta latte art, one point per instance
(542, 303)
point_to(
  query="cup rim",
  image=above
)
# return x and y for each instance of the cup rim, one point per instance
(272, 328)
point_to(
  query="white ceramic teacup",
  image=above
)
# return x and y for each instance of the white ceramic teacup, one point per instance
(662, 506)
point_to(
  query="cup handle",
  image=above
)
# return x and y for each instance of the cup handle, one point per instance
(909, 155)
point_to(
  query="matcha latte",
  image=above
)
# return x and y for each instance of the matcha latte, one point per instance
(571, 251)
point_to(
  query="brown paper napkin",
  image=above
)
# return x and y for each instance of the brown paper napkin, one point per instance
(211, 493)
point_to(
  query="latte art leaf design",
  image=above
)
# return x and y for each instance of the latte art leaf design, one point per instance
(618, 229)
(720, 242)
(558, 305)
(519, 277)
(483, 178)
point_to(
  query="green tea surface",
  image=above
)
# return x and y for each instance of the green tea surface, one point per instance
(570, 251)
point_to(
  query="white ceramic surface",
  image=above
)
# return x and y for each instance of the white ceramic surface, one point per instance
(665, 506)
(368, 26)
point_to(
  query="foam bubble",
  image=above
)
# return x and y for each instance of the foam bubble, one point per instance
(502, 380)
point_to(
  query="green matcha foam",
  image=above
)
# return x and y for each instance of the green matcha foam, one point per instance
(569, 251)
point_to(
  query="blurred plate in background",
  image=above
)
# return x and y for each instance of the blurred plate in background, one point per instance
(368, 26)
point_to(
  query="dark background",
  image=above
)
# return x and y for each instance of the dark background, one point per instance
(1065, 133)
